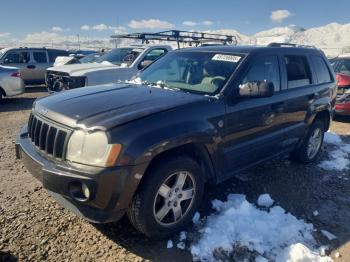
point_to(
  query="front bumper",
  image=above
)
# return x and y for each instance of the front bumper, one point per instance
(111, 189)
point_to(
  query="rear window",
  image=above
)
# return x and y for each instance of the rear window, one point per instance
(322, 72)
(298, 71)
(55, 53)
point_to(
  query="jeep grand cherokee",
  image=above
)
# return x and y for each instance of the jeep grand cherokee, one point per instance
(195, 116)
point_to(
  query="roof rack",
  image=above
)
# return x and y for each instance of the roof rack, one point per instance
(189, 37)
(290, 45)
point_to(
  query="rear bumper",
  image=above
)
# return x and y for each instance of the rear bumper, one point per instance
(111, 189)
(13, 86)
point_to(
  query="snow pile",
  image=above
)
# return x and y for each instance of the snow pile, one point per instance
(265, 200)
(339, 155)
(299, 252)
(272, 234)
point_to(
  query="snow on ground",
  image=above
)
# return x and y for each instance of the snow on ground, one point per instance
(339, 154)
(273, 234)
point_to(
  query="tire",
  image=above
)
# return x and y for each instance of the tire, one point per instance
(302, 154)
(159, 189)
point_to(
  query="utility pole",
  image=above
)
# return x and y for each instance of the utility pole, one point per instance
(78, 41)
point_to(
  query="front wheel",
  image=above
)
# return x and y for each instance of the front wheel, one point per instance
(312, 145)
(168, 198)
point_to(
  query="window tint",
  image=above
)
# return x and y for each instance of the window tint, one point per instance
(342, 66)
(298, 71)
(154, 54)
(322, 72)
(55, 53)
(264, 68)
(40, 57)
(16, 58)
(198, 72)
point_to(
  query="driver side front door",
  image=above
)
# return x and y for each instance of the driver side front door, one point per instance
(254, 125)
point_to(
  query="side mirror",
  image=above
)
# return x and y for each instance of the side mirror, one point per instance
(256, 89)
(145, 63)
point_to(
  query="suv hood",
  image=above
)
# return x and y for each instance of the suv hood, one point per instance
(83, 68)
(107, 106)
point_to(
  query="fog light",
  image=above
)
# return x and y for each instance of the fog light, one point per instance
(86, 191)
(79, 191)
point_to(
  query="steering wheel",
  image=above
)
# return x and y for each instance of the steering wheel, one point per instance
(218, 80)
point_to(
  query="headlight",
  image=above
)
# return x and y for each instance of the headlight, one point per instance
(92, 149)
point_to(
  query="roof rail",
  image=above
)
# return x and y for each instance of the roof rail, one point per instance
(290, 45)
(180, 37)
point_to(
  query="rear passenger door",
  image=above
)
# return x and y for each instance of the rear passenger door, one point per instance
(300, 92)
(254, 125)
(41, 62)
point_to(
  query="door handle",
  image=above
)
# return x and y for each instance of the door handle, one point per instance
(31, 66)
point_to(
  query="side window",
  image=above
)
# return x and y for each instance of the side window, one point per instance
(55, 53)
(298, 71)
(322, 72)
(152, 56)
(16, 58)
(264, 68)
(40, 57)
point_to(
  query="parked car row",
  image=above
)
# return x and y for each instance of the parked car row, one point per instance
(32, 62)
(147, 147)
(120, 64)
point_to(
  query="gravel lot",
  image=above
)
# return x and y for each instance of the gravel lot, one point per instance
(34, 227)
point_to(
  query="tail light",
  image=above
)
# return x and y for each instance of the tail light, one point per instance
(343, 80)
(16, 74)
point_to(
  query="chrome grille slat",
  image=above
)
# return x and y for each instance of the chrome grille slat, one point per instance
(49, 138)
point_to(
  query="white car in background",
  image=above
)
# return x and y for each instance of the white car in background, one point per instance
(11, 83)
(120, 64)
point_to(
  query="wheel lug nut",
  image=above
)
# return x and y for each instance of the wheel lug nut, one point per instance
(175, 204)
(179, 196)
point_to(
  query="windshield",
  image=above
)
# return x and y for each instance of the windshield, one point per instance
(342, 66)
(90, 58)
(119, 56)
(199, 72)
(1, 53)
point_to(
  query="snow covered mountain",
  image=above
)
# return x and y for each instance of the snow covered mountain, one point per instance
(333, 38)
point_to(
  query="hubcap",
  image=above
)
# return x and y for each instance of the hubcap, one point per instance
(174, 198)
(314, 143)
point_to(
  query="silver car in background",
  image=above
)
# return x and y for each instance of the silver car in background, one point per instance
(11, 83)
(32, 62)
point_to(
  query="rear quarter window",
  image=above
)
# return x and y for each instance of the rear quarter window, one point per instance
(298, 71)
(321, 69)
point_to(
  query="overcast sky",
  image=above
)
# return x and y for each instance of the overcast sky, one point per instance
(20, 18)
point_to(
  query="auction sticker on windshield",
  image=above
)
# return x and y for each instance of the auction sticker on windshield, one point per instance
(226, 58)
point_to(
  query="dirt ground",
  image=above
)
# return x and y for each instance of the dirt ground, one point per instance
(34, 227)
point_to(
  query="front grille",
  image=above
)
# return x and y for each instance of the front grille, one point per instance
(58, 81)
(47, 137)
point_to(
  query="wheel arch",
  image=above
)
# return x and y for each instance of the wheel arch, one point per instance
(196, 151)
